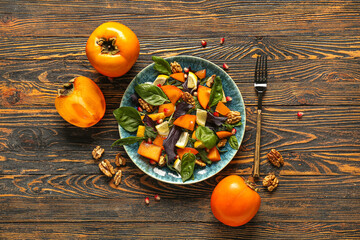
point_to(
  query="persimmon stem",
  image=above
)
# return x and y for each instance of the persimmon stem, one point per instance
(108, 46)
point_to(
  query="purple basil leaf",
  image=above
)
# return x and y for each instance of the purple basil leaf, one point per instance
(170, 141)
(181, 109)
(185, 86)
(149, 122)
(214, 121)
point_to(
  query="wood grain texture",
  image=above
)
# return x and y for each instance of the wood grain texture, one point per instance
(51, 188)
(111, 230)
(236, 47)
(203, 18)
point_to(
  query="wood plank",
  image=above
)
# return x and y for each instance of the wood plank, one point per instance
(181, 230)
(136, 185)
(129, 210)
(236, 47)
(333, 82)
(276, 18)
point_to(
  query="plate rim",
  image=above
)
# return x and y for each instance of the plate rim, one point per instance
(239, 140)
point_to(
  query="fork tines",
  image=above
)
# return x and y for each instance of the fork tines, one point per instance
(261, 69)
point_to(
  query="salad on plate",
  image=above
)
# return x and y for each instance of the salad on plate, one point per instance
(181, 120)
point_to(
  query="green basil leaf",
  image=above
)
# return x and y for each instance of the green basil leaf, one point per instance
(151, 94)
(150, 132)
(234, 142)
(197, 104)
(207, 136)
(229, 127)
(216, 93)
(203, 156)
(187, 166)
(161, 65)
(127, 141)
(221, 151)
(128, 118)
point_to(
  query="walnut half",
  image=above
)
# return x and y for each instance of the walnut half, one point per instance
(97, 152)
(106, 167)
(233, 117)
(275, 158)
(271, 182)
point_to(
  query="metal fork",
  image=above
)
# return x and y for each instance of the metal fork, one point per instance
(260, 84)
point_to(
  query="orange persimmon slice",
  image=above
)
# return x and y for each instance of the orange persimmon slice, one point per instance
(223, 134)
(222, 109)
(150, 151)
(214, 155)
(182, 151)
(186, 121)
(172, 92)
(178, 76)
(203, 95)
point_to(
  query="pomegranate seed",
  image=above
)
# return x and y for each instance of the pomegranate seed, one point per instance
(228, 98)
(300, 114)
(233, 131)
(147, 200)
(222, 40)
(186, 70)
(159, 121)
(203, 43)
(216, 114)
(139, 109)
(159, 85)
(195, 94)
(225, 66)
(149, 141)
(152, 162)
(185, 76)
(166, 110)
(207, 150)
(157, 197)
(177, 156)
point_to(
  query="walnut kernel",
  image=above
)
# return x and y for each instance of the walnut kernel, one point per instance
(275, 158)
(97, 152)
(120, 160)
(106, 167)
(175, 67)
(233, 117)
(187, 97)
(145, 105)
(222, 143)
(117, 177)
(162, 161)
(200, 163)
(271, 182)
(210, 81)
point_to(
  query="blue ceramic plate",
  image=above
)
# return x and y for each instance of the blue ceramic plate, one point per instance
(164, 174)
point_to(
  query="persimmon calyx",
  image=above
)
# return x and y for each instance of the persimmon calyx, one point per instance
(250, 183)
(108, 46)
(66, 89)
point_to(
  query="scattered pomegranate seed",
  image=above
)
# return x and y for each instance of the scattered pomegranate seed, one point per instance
(159, 85)
(152, 162)
(228, 99)
(159, 121)
(157, 197)
(222, 40)
(149, 141)
(177, 156)
(166, 110)
(233, 131)
(147, 200)
(225, 66)
(186, 70)
(207, 150)
(300, 114)
(216, 114)
(139, 109)
(203, 43)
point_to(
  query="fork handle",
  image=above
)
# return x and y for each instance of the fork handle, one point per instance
(257, 145)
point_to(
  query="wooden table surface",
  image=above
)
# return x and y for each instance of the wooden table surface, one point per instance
(51, 188)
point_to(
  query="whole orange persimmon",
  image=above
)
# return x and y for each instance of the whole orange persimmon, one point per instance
(81, 102)
(112, 49)
(233, 202)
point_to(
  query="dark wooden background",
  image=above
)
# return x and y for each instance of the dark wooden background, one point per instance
(51, 188)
